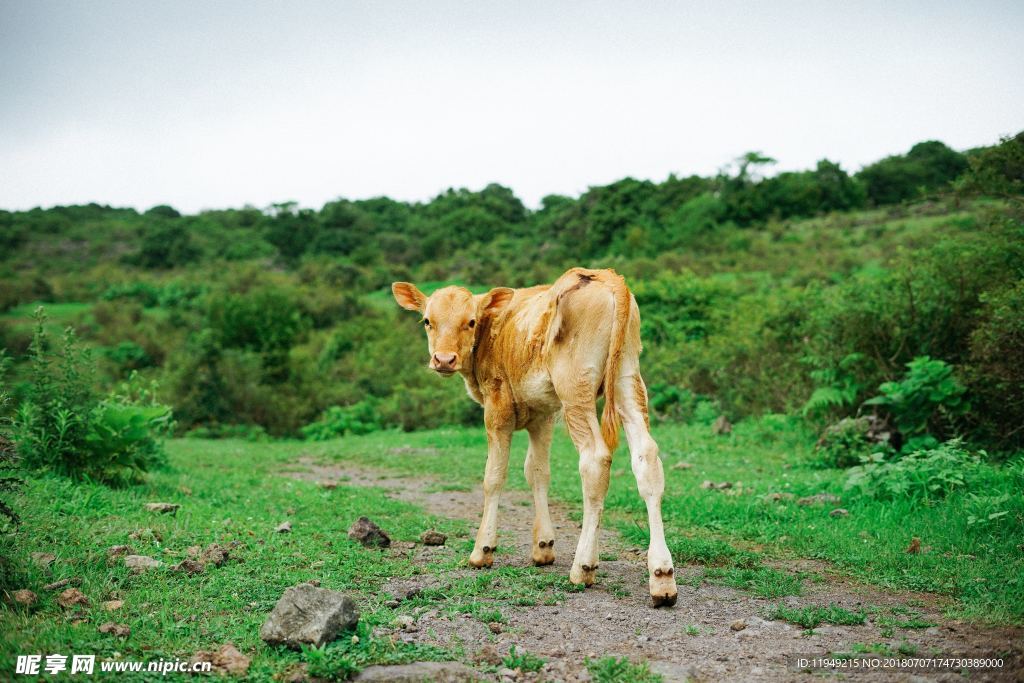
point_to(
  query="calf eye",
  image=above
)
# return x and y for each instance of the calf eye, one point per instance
(426, 322)
(472, 324)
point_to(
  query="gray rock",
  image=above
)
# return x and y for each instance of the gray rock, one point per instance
(163, 508)
(140, 563)
(309, 615)
(369, 534)
(418, 672)
(839, 512)
(432, 537)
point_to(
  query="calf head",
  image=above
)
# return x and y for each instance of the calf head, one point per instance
(452, 317)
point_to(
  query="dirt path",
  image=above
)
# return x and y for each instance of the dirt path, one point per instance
(614, 617)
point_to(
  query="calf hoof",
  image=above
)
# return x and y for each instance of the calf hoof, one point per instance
(482, 558)
(664, 600)
(543, 553)
(583, 574)
(663, 588)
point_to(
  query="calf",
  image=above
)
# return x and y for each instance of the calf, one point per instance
(525, 356)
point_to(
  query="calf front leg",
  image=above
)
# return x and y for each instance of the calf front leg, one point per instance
(538, 474)
(499, 438)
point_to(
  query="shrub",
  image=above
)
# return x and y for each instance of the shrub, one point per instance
(927, 399)
(921, 475)
(359, 418)
(9, 479)
(849, 441)
(64, 426)
(995, 370)
(838, 386)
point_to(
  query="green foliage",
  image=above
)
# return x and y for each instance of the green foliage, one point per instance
(620, 670)
(849, 441)
(996, 171)
(64, 426)
(995, 369)
(10, 479)
(922, 475)
(837, 387)
(359, 418)
(166, 244)
(928, 166)
(926, 399)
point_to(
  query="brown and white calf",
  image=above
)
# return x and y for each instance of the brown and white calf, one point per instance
(527, 355)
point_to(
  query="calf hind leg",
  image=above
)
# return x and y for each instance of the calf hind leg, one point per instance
(650, 480)
(595, 466)
(538, 474)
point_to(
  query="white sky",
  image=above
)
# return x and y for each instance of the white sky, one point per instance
(218, 104)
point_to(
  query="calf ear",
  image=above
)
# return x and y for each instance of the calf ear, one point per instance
(408, 296)
(495, 300)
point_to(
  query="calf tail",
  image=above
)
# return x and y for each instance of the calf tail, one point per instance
(610, 422)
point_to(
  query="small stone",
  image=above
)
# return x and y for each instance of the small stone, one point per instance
(682, 466)
(307, 615)
(111, 605)
(118, 551)
(432, 537)
(507, 673)
(117, 630)
(722, 426)
(738, 625)
(284, 528)
(43, 560)
(818, 499)
(496, 627)
(227, 659)
(405, 622)
(24, 597)
(56, 585)
(193, 551)
(163, 508)
(488, 655)
(72, 597)
(777, 497)
(214, 554)
(368, 534)
(329, 485)
(190, 567)
(140, 563)
(839, 512)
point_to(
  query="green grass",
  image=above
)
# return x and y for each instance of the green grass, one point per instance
(813, 616)
(979, 565)
(620, 670)
(522, 660)
(229, 493)
(764, 582)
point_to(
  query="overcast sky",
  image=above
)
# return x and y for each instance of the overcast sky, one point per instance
(218, 104)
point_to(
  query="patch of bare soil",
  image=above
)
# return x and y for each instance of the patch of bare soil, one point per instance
(697, 639)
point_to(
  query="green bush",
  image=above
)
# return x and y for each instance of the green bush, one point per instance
(926, 401)
(995, 369)
(851, 440)
(64, 426)
(922, 475)
(9, 462)
(359, 418)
